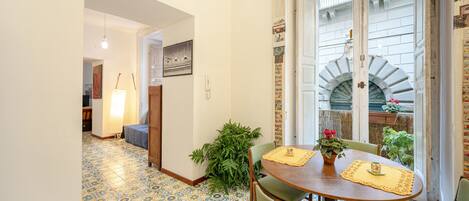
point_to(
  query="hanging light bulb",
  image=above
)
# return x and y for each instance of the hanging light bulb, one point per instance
(104, 43)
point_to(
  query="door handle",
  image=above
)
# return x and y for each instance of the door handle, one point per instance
(361, 85)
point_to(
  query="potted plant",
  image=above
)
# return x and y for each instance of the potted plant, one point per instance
(389, 116)
(330, 146)
(392, 106)
(398, 146)
(227, 157)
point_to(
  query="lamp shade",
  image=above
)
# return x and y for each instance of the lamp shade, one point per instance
(118, 103)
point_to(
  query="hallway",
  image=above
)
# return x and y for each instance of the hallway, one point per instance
(115, 170)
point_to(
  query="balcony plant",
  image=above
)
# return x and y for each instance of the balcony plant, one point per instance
(392, 106)
(227, 157)
(398, 146)
(330, 146)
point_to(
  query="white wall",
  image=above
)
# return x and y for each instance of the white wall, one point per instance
(120, 57)
(41, 87)
(233, 48)
(212, 59)
(178, 108)
(252, 65)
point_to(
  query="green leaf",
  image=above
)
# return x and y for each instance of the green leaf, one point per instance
(226, 157)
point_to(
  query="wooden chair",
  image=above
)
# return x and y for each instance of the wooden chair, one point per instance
(365, 147)
(270, 186)
(260, 195)
(463, 190)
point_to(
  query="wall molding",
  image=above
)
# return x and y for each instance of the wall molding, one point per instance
(103, 138)
(184, 179)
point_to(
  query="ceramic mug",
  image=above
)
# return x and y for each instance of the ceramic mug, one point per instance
(289, 151)
(376, 167)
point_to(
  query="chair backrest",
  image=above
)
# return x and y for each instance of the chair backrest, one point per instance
(255, 154)
(463, 190)
(365, 147)
(260, 195)
(258, 151)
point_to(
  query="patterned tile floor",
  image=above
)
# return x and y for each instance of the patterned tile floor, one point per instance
(116, 170)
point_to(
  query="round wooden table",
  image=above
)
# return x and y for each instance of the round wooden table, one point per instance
(323, 180)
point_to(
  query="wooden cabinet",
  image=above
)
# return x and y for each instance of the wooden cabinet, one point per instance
(154, 125)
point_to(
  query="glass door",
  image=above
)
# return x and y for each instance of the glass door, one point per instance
(335, 67)
(365, 67)
(390, 68)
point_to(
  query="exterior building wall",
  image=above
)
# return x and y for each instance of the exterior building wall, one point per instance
(391, 31)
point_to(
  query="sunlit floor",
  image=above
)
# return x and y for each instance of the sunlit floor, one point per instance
(116, 170)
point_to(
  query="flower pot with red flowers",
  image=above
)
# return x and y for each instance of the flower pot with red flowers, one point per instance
(330, 146)
(391, 108)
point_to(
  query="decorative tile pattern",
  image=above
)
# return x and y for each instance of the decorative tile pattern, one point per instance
(465, 96)
(278, 31)
(115, 170)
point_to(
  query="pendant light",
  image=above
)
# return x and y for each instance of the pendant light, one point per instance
(104, 43)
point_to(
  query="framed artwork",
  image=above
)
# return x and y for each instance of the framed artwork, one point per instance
(98, 82)
(177, 59)
(464, 10)
(462, 20)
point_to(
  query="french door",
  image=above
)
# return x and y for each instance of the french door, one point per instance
(342, 82)
(353, 57)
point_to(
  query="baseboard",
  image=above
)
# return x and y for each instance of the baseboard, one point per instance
(102, 138)
(183, 179)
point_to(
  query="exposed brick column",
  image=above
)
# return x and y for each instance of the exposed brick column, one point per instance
(278, 32)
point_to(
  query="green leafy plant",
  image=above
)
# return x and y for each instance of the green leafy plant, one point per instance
(227, 157)
(330, 145)
(399, 146)
(392, 106)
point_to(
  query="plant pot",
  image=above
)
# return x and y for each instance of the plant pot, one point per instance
(382, 118)
(329, 161)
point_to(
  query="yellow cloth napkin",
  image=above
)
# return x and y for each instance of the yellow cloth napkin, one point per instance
(299, 158)
(396, 180)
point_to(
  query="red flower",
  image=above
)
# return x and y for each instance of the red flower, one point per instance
(393, 100)
(329, 133)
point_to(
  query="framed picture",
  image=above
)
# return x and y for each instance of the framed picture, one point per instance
(177, 59)
(98, 82)
(462, 20)
(464, 10)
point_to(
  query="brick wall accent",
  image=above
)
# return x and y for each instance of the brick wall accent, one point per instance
(278, 31)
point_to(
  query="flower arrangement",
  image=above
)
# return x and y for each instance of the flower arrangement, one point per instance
(392, 106)
(330, 146)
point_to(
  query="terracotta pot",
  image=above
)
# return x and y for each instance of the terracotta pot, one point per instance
(329, 161)
(382, 118)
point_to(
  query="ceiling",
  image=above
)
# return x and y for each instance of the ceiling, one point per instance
(149, 12)
(96, 18)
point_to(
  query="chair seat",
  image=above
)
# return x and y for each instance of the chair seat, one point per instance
(281, 190)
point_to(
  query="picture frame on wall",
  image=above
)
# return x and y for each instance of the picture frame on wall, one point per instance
(462, 20)
(177, 59)
(464, 10)
(97, 82)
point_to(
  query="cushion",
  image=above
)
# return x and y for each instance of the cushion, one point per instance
(281, 190)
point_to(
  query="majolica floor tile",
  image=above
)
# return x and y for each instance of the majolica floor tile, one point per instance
(115, 170)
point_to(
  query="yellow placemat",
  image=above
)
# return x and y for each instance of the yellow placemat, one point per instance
(396, 180)
(299, 158)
